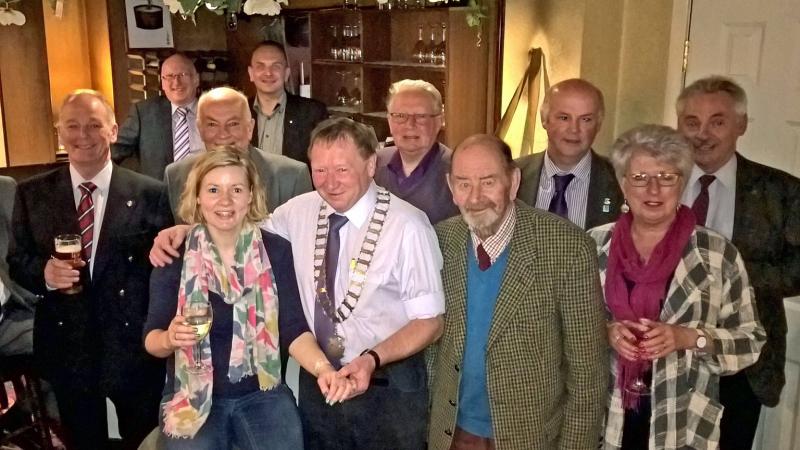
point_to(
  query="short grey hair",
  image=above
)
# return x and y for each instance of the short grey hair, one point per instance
(574, 85)
(712, 85)
(661, 142)
(416, 86)
(224, 94)
(72, 96)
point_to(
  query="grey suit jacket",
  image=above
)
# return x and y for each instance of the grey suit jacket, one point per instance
(546, 360)
(766, 230)
(605, 196)
(282, 177)
(144, 142)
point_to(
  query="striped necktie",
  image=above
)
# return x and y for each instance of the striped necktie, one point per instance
(86, 218)
(181, 136)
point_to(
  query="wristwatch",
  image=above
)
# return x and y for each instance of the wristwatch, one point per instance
(702, 341)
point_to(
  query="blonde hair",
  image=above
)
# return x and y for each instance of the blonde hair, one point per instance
(224, 156)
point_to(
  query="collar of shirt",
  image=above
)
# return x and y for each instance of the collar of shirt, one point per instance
(396, 165)
(580, 170)
(726, 175)
(102, 180)
(497, 243)
(192, 107)
(360, 212)
(279, 107)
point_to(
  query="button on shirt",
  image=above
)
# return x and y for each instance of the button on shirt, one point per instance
(403, 281)
(270, 127)
(195, 143)
(721, 196)
(100, 197)
(577, 191)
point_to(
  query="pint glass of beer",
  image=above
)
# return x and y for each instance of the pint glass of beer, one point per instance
(68, 248)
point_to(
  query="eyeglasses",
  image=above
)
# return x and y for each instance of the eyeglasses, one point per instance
(418, 118)
(663, 179)
(176, 76)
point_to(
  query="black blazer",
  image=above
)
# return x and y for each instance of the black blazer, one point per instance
(94, 336)
(144, 142)
(766, 230)
(605, 196)
(301, 116)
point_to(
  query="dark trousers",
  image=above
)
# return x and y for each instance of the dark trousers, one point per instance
(392, 414)
(83, 415)
(740, 417)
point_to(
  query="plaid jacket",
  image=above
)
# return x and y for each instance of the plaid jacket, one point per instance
(546, 367)
(710, 290)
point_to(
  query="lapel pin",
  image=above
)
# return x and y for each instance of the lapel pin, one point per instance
(129, 203)
(606, 205)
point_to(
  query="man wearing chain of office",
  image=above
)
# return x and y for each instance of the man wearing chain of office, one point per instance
(368, 267)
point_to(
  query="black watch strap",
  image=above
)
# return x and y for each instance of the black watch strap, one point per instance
(374, 355)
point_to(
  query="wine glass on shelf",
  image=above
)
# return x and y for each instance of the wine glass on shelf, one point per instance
(355, 93)
(420, 51)
(342, 95)
(335, 43)
(198, 314)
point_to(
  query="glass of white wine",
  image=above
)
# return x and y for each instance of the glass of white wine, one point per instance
(200, 316)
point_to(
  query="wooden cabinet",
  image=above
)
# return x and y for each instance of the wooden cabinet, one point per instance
(378, 50)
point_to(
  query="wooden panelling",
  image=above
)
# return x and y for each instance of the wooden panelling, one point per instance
(28, 117)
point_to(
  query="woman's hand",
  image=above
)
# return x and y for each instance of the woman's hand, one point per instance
(663, 339)
(622, 338)
(179, 334)
(334, 386)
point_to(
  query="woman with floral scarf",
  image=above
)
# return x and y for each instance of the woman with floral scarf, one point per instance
(680, 303)
(248, 277)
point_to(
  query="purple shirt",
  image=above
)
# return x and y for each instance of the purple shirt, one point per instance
(426, 186)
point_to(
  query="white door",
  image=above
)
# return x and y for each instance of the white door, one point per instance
(754, 42)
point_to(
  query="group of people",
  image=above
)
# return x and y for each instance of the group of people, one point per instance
(448, 298)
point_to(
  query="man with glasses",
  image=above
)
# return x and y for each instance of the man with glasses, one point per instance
(163, 129)
(283, 121)
(414, 168)
(758, 209)
(223, 118)
(569, 178)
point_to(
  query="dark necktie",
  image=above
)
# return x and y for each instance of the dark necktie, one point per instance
(86, 218)
(484, 261)
(323, 325)
(700, 205)
(558, 205)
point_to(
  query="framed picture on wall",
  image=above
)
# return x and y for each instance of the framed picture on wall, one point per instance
(149, 24)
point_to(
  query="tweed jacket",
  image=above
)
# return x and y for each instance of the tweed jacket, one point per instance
(96, 335)
(710, 290)
(144, 142)
(301, 116)
(604, 197)
(282, 177)
(766, 230)
(546, 368)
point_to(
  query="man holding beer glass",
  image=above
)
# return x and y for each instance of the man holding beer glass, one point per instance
(80, 239)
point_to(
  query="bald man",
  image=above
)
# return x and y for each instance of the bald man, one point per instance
(569, 178)
(224, 118)
(162, 129)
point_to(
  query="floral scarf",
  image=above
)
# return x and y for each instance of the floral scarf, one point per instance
(649, 281)
(249, 286)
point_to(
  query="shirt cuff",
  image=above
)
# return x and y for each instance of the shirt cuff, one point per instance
(425, 306)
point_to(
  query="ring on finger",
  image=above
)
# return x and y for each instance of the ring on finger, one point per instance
(616, 339)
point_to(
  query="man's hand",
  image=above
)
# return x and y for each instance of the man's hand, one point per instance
(59, 274)
(166, 244)
(360, 370)
(334, 386)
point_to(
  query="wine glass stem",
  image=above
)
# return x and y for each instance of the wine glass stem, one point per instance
(196, 356)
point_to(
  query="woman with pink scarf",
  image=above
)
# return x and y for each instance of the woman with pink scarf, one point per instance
(680, 305)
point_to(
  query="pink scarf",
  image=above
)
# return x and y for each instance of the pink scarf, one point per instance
(649, 284)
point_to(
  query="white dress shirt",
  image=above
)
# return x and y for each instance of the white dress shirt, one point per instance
(403, 281)
(100, 197)
(721, 196)
(195, 143)
(577, 191)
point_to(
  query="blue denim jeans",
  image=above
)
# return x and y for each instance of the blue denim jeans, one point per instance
(259, 420)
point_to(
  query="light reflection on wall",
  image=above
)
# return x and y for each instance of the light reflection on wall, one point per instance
(3, 160)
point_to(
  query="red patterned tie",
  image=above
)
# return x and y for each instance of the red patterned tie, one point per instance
(86, 218)
(484, 261)
(700, 205)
